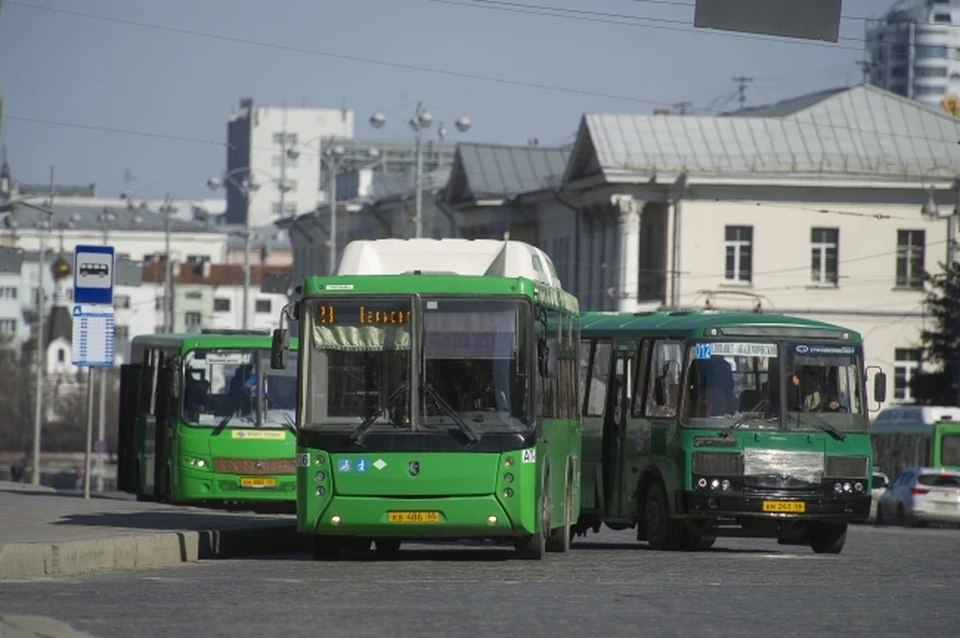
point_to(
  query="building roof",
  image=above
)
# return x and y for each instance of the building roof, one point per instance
(212, 274)
(88, 218)
(786, 107)
(489, 171)
(392, 186)
(860, 133)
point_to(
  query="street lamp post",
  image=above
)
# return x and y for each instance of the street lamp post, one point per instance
(334, 156)
(421, 121)
(248, 186)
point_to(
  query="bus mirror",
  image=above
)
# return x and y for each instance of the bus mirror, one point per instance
(278, 349)
(292, 311)
(880, 387)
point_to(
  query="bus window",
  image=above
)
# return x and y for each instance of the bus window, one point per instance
(667, 358)
(950, 450)
(642, 374)
(599, 378)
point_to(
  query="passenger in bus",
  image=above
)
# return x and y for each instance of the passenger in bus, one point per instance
(196, 398)
(814, 396)
(716, 388)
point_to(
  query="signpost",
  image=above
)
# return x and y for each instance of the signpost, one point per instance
(93, 280)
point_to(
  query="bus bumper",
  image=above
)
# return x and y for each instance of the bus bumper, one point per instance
(774, 506)
(205, 486)
(430, 518)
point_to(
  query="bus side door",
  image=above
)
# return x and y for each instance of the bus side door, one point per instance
(636, 433)
(614, 430)
(129, 410)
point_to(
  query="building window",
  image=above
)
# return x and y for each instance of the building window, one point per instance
(739, 254)
(121, 333)
(8, 326)
(931, 72)
(910, 247)
(263, 306)
(929, 90)
(930, 51)
(941, 17)
(194, 294)
(192, 319)
(906, 366)
(291, 208)
(121, 301)
(221, 305)
(291, 138)
(158, 304)
(278, 161)
(61, 355)
(823, 255)
(8, 292)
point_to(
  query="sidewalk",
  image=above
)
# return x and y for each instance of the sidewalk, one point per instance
(46, 532)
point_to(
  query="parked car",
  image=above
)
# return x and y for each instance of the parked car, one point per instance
(921, 495)
(880, 483)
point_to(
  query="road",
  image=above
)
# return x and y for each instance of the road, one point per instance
(888, 581)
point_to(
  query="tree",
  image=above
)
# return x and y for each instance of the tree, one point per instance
(941, 342)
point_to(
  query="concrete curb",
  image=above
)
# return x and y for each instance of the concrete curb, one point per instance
(28, 560)
(37, 627)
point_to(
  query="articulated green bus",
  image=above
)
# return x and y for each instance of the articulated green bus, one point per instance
(916, 436)
(437, 405)
(704, 424)
(196, 428)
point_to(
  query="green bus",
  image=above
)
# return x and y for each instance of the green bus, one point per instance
(196, 428)
(694, 428)
(916, 436)
(437, 405)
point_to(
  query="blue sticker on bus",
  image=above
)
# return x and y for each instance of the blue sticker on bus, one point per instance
(361, 465)
(343, 465)
(704, 350)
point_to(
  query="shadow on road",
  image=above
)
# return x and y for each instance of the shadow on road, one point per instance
(166, 520)
(639, 546)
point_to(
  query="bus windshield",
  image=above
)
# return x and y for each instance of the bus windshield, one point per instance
(223, 383)
(824, 387)
(732, 383)
(357, 361)
(477, 360)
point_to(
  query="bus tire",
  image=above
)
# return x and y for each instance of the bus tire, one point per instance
(559, 539)
(663, 533)
(828, 538)
(325, 548)
(534, 546)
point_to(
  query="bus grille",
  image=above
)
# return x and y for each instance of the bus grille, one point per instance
(254, 466)
(717, 464)
(847, 467)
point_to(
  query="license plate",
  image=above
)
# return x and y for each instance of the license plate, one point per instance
(947, 507)
(413, 517)
(794, 507)
(258, 482)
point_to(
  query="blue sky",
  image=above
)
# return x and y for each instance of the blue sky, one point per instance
(107, 75)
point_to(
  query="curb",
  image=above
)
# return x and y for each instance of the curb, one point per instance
(28, 560)
(37, 627)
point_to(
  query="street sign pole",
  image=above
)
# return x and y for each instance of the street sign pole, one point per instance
(93, 280)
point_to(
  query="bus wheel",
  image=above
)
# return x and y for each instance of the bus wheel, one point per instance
(559, 540)
(325, 548)
(828, 538)
(387, 546)
(663, 533)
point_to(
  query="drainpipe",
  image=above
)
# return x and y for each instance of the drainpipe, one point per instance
(576, 238)
(681, 185)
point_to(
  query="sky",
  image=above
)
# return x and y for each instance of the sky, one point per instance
(150, 87)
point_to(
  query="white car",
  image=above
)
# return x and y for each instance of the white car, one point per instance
(921, 495)
(880, 483)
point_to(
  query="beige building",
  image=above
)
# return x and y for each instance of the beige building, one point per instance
(810, 207)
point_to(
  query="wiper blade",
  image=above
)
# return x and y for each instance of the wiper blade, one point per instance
(360, 432)
(289, 423)
(467, 429)
(223, 424)
(822, 424)
(746, 416)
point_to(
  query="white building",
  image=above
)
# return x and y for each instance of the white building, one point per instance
(258, 138)
(913, 50)
(809, 207)
(11, 316)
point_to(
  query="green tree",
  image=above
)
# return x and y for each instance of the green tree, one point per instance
(941, 342)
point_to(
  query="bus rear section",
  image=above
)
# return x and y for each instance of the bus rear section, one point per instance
(197, 428)
(420, 417)
(916, 436)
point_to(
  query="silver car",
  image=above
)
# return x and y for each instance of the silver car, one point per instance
(921, 495)
(880, 483)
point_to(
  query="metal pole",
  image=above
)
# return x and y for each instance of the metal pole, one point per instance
(89, 439)
(418, 174)
(246, 264)
(167, 270)
(334, 167)
(951, 260)
(102, 408)
(38, 363)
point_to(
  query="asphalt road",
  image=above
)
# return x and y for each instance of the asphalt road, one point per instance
(888, 581)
